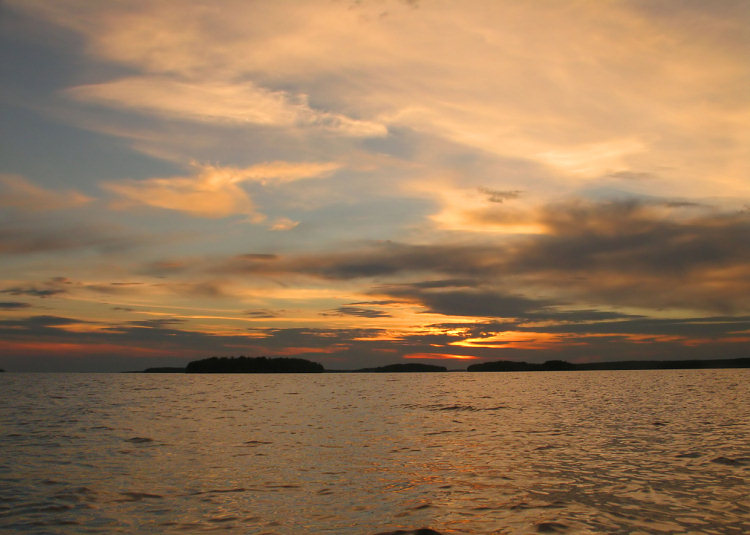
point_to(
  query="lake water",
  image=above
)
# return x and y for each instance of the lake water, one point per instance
(565, 452)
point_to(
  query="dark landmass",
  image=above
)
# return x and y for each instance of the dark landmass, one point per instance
(295, 365)
(410, 367)
(1, 370)
(164, 369)
(512, 366)
(253, 365)
(423, 531)
(561, 365)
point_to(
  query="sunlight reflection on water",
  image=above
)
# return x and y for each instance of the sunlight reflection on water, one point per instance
(564, 452)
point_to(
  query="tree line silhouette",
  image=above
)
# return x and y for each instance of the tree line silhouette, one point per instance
(253, 365)
(244, 364)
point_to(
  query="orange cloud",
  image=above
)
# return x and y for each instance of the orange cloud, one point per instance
(214, 191)
(222, 102)
(612, 88)
(513, 339)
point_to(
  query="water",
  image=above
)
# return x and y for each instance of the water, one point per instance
(566, 452)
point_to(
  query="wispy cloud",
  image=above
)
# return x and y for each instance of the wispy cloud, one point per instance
(562, 85)
(214, 191)
(13, 305)
(361, 312)
(221, 102)
(27, 237)
(49, 288)
(19, 193)
(499, 196)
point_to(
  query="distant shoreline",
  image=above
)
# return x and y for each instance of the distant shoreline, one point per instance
(561, 365)
(271, 365)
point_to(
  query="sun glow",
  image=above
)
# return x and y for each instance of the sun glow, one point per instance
(440, 356)
(513, 339)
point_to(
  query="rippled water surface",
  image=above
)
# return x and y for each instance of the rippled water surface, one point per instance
(566, 452)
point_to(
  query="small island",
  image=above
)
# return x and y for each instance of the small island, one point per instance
(513, 366)
(253, 365)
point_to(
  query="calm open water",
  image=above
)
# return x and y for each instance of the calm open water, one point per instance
(566, 452)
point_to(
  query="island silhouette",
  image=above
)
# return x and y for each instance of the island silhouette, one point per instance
(562, 365)
(244, 364)
(422, 531)
(253, 365)
(283, 365)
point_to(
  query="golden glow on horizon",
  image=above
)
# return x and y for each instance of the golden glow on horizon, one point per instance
(513, 339)
(441, 356)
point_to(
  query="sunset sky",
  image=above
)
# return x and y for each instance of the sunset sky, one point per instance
(361, 183)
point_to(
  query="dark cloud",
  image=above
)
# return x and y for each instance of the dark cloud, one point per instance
(639, 253)
(480, 303)
(445, 283)
(630, 236)
(261, 313)
(376, 303)
(115, 288)
(195, 289)
(34, 324)
(13, 305)
(156, 323)
(615, 325)
(17, 239)
(499, 196)
(554, 313)
(360, 312)
(712, 326)
(379, 259)
(48, 288)
(493, 303)
(33, 292)
(684, 204)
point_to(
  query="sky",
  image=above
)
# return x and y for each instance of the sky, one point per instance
(362, 183)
